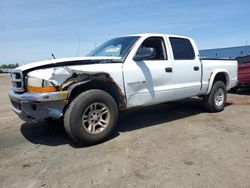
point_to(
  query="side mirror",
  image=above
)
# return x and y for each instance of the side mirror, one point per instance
(145, 53)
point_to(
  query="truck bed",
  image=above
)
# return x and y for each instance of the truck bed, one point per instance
(225, 65)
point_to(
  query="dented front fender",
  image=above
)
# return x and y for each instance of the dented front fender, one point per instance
(68, 79)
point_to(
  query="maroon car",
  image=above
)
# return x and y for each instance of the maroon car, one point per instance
(243, 71)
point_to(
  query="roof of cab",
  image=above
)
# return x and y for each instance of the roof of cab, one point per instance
(156, 34)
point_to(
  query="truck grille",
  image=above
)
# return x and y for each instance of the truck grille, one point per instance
(17, 81)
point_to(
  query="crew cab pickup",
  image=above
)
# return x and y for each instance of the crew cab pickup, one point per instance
(88, 93)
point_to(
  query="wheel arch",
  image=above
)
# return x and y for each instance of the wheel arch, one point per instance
(219, 75)
(108, 86)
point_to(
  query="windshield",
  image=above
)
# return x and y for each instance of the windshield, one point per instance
(118, 47)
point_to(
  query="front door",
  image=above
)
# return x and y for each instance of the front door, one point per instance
(146, 81)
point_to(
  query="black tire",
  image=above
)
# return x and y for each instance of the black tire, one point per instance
(209, 100)
(73, 121)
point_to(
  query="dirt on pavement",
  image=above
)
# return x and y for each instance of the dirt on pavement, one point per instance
(175, 144)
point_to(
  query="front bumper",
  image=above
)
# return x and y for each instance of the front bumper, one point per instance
(38, 106)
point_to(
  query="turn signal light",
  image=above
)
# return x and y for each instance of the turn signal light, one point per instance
(41, 89)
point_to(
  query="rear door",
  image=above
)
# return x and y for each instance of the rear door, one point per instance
(186, 68)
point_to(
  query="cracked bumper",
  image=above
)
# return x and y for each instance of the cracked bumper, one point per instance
(38, 106)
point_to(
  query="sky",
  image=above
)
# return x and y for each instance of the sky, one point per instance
(31, 30)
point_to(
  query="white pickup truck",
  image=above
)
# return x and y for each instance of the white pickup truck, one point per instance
(126, 72)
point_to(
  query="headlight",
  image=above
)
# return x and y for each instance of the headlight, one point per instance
(37, 85)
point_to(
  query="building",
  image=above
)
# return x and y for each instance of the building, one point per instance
(230, 53)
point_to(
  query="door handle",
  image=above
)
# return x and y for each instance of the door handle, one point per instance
(168, 69)
(196, 68)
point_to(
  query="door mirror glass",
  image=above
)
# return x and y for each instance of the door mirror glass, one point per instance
(145, 53)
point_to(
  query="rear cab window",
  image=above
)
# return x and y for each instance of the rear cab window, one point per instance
(182, 48)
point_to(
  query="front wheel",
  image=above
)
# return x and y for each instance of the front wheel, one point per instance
(91, 117)
(215, 101)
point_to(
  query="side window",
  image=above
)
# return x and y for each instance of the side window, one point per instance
(182, 48)
(158, 44)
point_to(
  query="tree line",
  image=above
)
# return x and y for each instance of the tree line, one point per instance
(9, 66)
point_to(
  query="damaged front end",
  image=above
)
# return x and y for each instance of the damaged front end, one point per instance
(44, 93)
(38, 106)
(36, 96)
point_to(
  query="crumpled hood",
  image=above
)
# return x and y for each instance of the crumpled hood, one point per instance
(58, 71)
(66, 62)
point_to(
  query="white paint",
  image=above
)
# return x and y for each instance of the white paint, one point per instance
(147, 83)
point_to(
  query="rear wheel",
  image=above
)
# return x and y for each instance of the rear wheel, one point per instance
(215, 101)
(91, 117)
